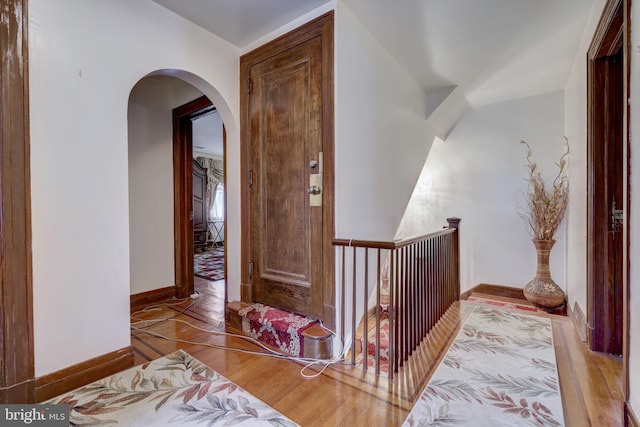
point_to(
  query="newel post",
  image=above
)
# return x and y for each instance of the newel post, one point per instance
(455, 223)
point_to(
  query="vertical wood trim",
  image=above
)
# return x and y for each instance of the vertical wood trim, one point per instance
(225, 240)
(626, 337)
(328, 133)
(183, 193)
(630, 418)
(182, 228)
(17, 383)
(245, 199)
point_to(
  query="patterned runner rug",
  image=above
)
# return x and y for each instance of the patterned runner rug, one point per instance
(209, 264)
(176, 390)
(500, 371)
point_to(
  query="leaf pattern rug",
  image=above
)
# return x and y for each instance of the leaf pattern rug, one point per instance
(175, 390)
(499, 371)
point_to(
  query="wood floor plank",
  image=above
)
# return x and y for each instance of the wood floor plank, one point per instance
(574, 406)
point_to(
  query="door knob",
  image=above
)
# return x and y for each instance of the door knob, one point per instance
(314, 189)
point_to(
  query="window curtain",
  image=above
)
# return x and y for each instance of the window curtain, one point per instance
(215, 176)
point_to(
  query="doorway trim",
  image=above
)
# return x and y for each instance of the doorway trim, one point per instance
(321, 26)
(17, 377)
(612, 33)
(183, 191)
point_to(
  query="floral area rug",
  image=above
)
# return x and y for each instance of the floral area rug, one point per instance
(500, 371)
(209, 264)
(176, 390)
(278, 328)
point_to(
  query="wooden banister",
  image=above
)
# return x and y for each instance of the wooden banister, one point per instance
(423, 275)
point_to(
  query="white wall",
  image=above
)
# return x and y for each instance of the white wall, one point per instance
(151, 231)
(575, 116)
(85, 57)
(634, 229)
(478, 174)
(382, 138)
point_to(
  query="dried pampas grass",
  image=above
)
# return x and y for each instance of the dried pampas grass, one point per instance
(545, 207)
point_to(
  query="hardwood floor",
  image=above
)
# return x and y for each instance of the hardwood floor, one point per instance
(591, 383)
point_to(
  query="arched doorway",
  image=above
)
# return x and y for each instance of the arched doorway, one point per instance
(160, 205)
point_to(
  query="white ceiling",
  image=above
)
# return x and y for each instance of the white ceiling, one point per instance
(490, 50)
(241, 22)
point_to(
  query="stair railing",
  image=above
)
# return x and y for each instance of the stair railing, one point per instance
(423, 279)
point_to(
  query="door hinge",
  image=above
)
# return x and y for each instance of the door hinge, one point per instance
(249, 85)
(250, 270)
(250, 177)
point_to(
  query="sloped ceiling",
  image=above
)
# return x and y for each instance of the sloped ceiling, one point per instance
(493, 49)
(488, 50)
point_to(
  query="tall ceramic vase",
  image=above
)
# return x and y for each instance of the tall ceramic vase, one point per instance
(542, 290)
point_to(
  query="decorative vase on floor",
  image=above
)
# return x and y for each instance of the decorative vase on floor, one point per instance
(542, 290)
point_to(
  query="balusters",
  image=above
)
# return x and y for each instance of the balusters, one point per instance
(424, 280)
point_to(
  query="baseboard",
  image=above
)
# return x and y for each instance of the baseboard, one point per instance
(155, 296)
(498, 290)
(83, 373)
(579, 321)
(630, 418)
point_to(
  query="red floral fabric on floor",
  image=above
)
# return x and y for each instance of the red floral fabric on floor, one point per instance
(371, 343)
(502, 303)
(278, 328)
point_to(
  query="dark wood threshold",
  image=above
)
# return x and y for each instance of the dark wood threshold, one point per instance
(72, 377)
(155, 296)
(232, 318)
(496, 290)
(509, 294)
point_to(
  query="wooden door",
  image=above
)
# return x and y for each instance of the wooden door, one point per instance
(199, 206)
(614, 182)
(288, 143)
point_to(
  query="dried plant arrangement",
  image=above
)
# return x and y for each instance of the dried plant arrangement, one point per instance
(545, 208)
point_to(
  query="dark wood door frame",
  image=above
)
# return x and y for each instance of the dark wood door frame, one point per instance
(17, 378)
(183, 191)
(319, 27)
(612, 35)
